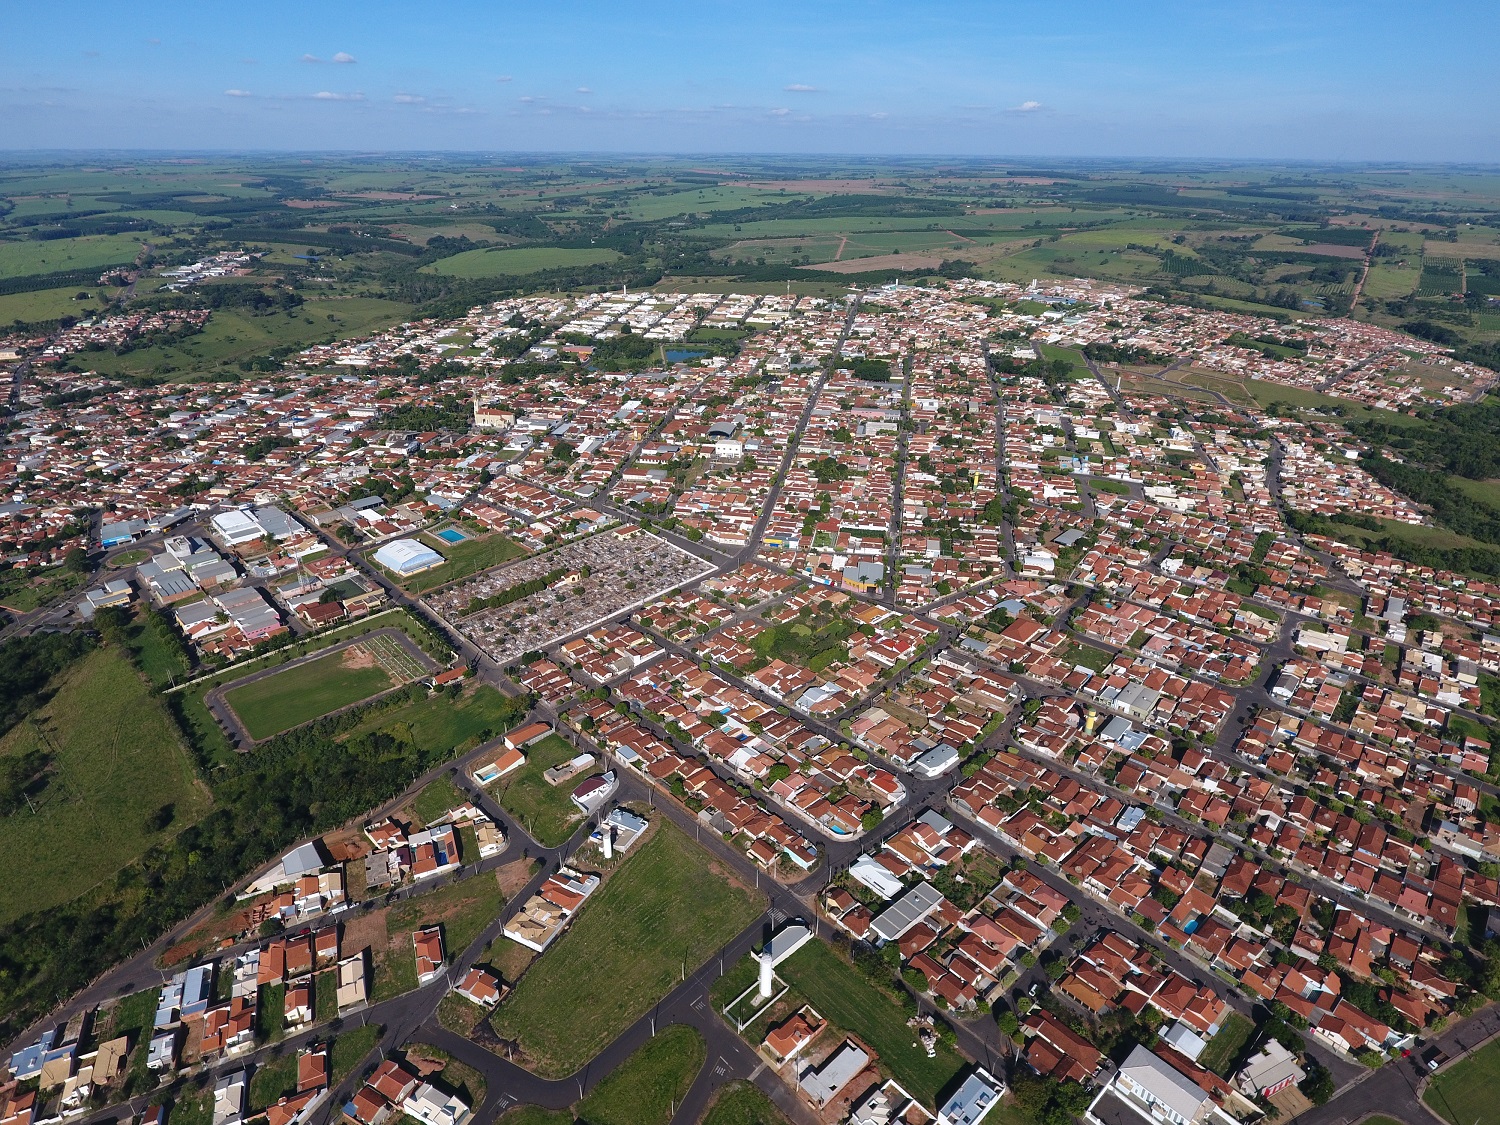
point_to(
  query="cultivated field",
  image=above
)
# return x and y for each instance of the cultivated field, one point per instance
(528, 259)
(121, 781)
(19, 259)
(661, 914)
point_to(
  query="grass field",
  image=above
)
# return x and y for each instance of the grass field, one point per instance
(1224, 1049)
(117, 761)
(646, 1087)
(463, 910)
(844, 996)
(1485, 491)
(1387, 282)
(19, 259)
(234, 334)
(525, 259)
(663, 912)
(468, 557)
(438, 721)
(741, 1103)
(545, 811)
(536, 1115)
(436, 798)
(307, 691)
(49, 304)
(349, 1049)
(1465, 1092)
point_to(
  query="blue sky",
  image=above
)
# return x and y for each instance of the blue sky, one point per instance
(1369, 80)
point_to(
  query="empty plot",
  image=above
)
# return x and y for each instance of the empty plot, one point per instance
(662, 914)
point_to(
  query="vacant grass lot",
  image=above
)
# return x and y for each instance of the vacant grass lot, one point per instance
(646, 1087)
(117, 762)
(845, 997)
(741, 1103)
(665, 908)
(438, 721)
(468, 557)
(1465, 1092)
(1225, 1048)
(463, 910)
(545, 811)
(525, 259)
(307, 691)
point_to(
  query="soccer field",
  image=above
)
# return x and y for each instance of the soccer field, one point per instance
(297, 695)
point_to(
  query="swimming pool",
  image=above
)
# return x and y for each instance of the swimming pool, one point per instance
(451, 535)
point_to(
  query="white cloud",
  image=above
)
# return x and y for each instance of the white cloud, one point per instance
(408, 99)
(311, 59)
(780, 111)
(800, 88)
(330, 96)
(344, 57)
(1027, 107)
(879, 115)
(584, 90)
(238, 94)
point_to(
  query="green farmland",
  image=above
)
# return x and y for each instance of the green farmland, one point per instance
(20, 259)
(528, 259)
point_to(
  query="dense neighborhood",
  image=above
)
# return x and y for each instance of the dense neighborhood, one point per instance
(1049, 751)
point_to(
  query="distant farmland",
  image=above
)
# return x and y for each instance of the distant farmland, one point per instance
(528, 259)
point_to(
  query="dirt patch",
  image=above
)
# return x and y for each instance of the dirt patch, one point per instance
(425, 1065)
(513, 876)
(881, 262)
(368, 931)
(1292, 1103)
(358, 656)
